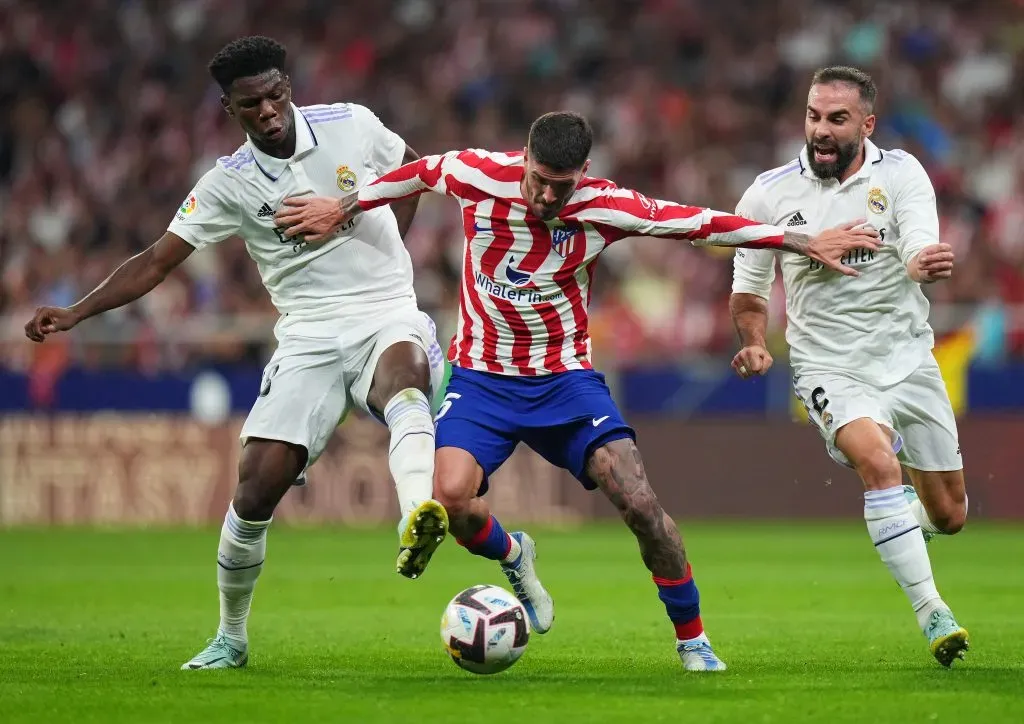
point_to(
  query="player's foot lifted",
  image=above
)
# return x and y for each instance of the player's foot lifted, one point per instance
(220, 653)
(420, 533)
(947, 640)
(528, 589)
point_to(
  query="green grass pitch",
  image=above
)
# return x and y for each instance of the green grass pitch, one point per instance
(94, 625)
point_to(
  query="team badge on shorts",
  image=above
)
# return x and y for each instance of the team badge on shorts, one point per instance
(826, 419)
(877, 201)
(346, 178)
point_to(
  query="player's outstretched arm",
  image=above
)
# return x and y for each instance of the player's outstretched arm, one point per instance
(316, 218)
(133, 279)
(631, 213)
(405, 210)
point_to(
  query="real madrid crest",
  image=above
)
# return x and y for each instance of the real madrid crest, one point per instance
(346, 178)
(877, 201)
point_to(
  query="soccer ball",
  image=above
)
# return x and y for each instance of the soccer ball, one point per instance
(485, 629)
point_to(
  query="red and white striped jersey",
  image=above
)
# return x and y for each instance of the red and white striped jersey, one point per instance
(526, 282)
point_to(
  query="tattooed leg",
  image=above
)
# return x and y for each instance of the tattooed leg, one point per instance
(619, 472)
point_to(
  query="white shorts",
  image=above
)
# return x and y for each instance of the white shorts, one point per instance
(311, 383)
(916, 410)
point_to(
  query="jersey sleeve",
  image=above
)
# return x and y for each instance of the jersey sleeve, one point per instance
(914, 210)
(209, 213)
(630, 213)
(435, 173)
(384, 148)
(753, 270)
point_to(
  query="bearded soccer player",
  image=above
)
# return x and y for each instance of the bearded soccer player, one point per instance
(535, 224)
(350, 333)
(861, 346)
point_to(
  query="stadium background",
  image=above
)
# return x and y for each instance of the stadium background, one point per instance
(109, 117)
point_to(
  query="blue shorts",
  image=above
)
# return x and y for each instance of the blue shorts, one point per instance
(563, 416)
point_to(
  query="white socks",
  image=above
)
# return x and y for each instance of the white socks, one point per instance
(243, 546)
(898, 540)
(411, 453)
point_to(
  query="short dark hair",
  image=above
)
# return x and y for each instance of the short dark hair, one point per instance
(854, 76)
(561, 140)
(243, 57)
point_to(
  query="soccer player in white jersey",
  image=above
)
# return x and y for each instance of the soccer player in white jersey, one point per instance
(861, 346)
(350, 333)
(535, 225)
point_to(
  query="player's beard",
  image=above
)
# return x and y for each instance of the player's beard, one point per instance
(845, 155)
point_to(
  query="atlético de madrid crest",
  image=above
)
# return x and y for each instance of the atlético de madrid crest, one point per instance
(565, 238)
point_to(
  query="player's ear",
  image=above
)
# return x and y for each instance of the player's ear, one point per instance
(226, 104)
(869, 125)
(586, 166)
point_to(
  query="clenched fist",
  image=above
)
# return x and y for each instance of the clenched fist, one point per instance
(752, 360)
(933, 263)
(48, 320)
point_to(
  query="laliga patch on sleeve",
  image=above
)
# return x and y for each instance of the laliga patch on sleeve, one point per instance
(188, 206)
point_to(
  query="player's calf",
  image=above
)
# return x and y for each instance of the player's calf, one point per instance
(896, 533)
(400, 389)
(266, 471)
(941, 500)
(618, 470)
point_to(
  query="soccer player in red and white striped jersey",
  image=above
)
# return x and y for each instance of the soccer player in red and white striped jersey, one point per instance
(535, 224)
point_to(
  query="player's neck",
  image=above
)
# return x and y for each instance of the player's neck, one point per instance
(855, 166)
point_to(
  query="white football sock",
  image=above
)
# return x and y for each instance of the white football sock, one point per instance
(514, 551)
(411, 453)
(243, 546)
(896, 536)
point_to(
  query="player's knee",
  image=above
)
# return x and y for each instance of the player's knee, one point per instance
(453, 495)
(879, 469)
(454, 490)
(457, 478)
(409, 371)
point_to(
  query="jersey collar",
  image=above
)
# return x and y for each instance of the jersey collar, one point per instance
(305, 141)
(872, 155)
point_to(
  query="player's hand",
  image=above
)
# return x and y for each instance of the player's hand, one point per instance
(315, 218)
(50, 320)
(752, 360)
(830, 246)
(934, 262)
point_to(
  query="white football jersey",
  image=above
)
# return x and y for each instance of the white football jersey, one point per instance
(873, 327)
(339, 148)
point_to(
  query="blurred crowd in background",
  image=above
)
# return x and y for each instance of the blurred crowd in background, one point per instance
(109, 117)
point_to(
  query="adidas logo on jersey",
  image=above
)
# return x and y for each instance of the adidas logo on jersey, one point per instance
(796, 220)
(264, 212)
